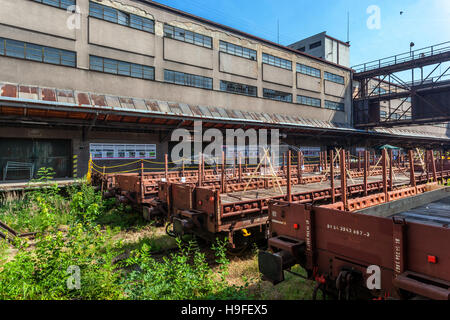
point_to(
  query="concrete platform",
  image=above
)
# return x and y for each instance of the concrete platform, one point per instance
(9, 186)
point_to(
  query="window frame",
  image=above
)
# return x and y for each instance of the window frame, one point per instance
(333, 77)
(45, 56)
(300, 67)
(207, 41)
(242, 51)
(61, 3)
(255, 88)
(115, 15)
(188, 79)
(273, 61)
(315, 45)
(334, 103)
(312, 99)
(118, 66)
(287, 94)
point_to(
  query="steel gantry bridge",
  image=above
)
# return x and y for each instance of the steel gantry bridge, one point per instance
(383, 99)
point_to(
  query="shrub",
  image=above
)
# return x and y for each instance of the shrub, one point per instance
(183, 275)
(43, 273)
(86, 205)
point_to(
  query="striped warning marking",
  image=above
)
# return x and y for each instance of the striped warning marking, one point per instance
(75, 166)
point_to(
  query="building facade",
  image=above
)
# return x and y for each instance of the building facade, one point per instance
(111, 79)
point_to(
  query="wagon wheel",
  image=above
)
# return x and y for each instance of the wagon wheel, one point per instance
(171, 233)
(238, 251)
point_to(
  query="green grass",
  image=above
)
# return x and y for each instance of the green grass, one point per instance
(80, 229)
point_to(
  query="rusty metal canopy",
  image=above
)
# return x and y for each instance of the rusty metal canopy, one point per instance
(27, 100)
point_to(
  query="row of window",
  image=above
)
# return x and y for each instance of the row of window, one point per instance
(277, 62)
(123, 18)
(120, 17)
(121, 68)
(29, 51)
(187, 79)
(334, 105)
(334, 78)
(395, 116)
(238, 88)
(309, 101)
(187, 36)
(308, 70)
(144, 24)
(237, 50)
(63, 4)
(277, 95)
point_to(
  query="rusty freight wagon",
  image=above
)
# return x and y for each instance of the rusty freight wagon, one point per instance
(403, 245)
(139, 187)
(227, 211)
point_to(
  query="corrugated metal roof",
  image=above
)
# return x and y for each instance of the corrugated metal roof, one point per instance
(82, 99)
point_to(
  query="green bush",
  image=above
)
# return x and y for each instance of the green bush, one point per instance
(42, 273)
(183, 275)
(71, 233)
(86, 205)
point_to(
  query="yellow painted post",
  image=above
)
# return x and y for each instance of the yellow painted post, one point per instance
(75, 166)
(89, 173)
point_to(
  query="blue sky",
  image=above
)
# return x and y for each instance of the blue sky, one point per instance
(425, 22)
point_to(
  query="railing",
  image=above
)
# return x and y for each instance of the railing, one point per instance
(404, 57)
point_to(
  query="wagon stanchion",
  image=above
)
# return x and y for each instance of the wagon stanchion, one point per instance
(391, 171)
(366, 171)
(433, 165)
(182, 167)
(385, 182)
(299, 169)
(333, 191)
(343, 166)
(200, 178)
(289, 183)
(141, 178)
(240, 168)
(411, 170)
(223, 177)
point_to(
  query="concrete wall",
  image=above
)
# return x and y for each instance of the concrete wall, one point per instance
(277, 75)
(186, 53)
(238, 66)
(30, 15)
(310, 83)
(108, 34)
(80, 145)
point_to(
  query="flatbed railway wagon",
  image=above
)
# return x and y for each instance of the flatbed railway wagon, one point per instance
(395, 250)
(241, 216)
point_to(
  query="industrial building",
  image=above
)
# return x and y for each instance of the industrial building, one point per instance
(325, 47)
(114, 78)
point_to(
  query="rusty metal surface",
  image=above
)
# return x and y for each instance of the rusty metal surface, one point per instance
(343, 240)
(436, 213)
(73, 98)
